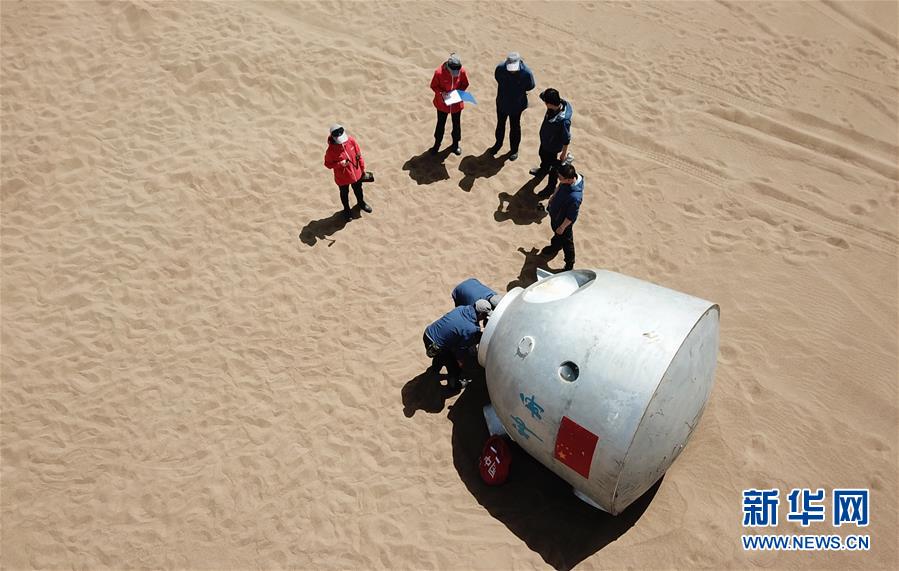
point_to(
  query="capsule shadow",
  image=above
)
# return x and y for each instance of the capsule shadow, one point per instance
(534, 503)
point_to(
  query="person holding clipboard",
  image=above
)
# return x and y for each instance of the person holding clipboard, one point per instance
(448, 78)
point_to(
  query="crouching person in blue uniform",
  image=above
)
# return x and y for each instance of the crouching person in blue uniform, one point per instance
(450, 337)
(471, 290)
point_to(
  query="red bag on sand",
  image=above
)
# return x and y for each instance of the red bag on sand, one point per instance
(495, 461)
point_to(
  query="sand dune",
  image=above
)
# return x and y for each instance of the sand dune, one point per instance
(204, 367)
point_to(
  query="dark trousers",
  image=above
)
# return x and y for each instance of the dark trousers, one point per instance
(514, 129)
(345, 194)
(564, 242)
(441, 126)
(444, 357)
(549, 165)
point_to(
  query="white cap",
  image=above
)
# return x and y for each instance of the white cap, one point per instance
(340, 139)
(513, 61)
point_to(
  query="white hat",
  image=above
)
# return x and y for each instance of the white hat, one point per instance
(513, 61)
(338, 133)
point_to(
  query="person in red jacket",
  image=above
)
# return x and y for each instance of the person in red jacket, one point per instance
(344, 157)
(448, 77)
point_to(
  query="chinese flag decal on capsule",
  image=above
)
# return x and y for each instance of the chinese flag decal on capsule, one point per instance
(575, 446)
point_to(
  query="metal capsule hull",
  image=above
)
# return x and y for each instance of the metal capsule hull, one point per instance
(601, 377)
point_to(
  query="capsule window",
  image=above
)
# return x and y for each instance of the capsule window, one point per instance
(568, 371)
(558, 286)
(525, 346)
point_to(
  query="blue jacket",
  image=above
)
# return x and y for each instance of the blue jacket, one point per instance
(456, 330)
(512, 88)
(555, 132)
(471, 290)
(566, 203)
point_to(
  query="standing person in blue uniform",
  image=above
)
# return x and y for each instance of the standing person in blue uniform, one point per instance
(448, 77)
(471, 290)
(513, 81)
(563, 209)
(450, 337)
(555, 136)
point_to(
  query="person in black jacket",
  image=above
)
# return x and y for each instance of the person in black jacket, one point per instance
(555, 135)
(513, 81)
(563, 209)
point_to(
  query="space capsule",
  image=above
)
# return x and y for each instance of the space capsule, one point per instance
(601, 377)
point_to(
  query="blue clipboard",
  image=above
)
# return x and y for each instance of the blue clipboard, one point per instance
(466, 96)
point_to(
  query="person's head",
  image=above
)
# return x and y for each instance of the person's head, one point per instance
(552, 98)
(567, 174)
(454, 65)
(513, 62)
(338, 133)
(495, 299)
(483, 308)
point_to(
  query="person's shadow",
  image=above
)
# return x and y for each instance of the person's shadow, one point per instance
(322, 229)
(427, 168)
(425, 392)
(534, 504)
(533, 259)
(483, 166)
(523, 207)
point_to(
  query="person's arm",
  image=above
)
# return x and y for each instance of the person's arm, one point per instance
(496, 73)
(566, 138)
(532, 83)
(361, 158)
(332, 160)
(463, 83)
(435, 84)
(570, 216)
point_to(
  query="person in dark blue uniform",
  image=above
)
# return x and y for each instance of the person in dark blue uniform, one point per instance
(555, 136)
(563, 209)
(471, 290)
(513, 81)
(447, 339)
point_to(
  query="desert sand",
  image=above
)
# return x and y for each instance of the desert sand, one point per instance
(203, 368)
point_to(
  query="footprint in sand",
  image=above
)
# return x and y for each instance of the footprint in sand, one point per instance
(133, 23)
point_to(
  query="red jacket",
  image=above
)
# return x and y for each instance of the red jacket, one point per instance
(443, 80)
(349, 151)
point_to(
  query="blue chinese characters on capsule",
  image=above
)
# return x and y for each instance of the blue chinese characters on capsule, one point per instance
(531, 404)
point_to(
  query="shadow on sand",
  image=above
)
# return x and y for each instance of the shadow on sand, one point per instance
(322, 229)
(534, 504)
(533, 259)
(427, 168)
(483, 166)
(523, 207)
(426, 393)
